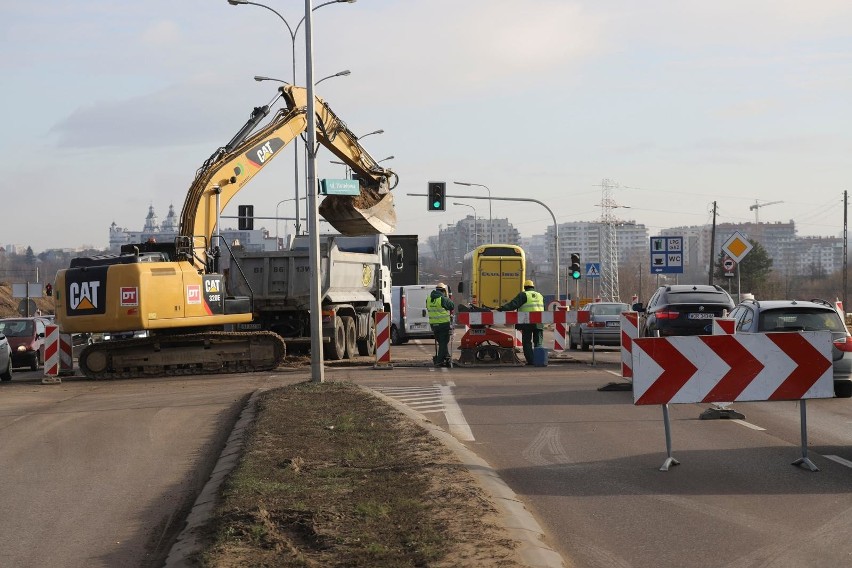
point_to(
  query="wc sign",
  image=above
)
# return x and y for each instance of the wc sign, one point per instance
(666, 255)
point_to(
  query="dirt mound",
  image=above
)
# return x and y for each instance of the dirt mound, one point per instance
(9, 305)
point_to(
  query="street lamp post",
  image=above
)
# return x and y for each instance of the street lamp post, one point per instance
(475, 233)
(293, 32)
(490, 219)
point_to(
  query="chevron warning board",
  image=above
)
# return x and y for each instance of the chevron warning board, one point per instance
(723, 368)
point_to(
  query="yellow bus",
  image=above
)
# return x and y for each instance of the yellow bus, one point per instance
(492, 275)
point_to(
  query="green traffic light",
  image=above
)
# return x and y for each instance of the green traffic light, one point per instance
(436, 205)
(575, 275)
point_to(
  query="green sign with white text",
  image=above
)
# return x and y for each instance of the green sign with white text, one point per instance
(339, 187)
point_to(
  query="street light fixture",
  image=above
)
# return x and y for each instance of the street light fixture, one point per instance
(475, 233)
(343, 73)
(384, 159)
(293, 32)
(379, 131)
(490, 219)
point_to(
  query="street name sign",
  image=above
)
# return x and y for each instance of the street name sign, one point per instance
(666, 255)
(339, 187)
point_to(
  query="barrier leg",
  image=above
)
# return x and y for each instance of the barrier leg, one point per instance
(670, 461)
(804, 460)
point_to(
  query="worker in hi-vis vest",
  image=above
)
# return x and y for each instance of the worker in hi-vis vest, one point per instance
(439, 307)
(532, 334)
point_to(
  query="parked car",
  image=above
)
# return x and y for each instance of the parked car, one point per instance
(683, 309)
(5, 359)
(796, 315)
(26, 338)
(603, 327)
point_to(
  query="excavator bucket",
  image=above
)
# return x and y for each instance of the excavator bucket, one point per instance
(365, 214)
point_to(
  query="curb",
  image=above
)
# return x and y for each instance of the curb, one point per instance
(188, 541)
(520, 524)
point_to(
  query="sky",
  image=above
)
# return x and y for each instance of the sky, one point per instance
(110, 107)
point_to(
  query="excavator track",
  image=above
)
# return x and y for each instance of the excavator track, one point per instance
(178, 355)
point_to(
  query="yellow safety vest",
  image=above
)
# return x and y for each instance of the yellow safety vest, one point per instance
(534, 303)
(437, 312)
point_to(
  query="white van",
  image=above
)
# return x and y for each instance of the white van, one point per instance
(409, 317)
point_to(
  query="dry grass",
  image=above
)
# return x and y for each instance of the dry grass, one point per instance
(332, 476)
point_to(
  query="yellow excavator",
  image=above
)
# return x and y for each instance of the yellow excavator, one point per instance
(175, 294)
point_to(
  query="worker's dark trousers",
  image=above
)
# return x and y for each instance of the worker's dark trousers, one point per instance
(442, 338)
(531, 336)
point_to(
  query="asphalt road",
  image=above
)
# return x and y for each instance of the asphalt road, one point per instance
(587, 462)
(101, 473)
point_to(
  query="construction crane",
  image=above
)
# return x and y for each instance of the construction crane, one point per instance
(757, 206)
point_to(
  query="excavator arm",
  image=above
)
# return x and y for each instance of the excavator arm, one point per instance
(232, 166)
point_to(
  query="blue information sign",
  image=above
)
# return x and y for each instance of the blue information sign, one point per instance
(666, 255)
(593, 270)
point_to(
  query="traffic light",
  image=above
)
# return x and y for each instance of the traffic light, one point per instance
(48, 289)
(575, 266)
(437, 196)
(245, 214)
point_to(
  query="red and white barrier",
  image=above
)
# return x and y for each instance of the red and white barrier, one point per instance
(724, 326)
(560, 329)
(741, 367)
(383, 356)
(57, 355)
(512, 318)
(629, 332)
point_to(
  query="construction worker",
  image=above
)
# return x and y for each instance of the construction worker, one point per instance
(532, 334)
(439, 307)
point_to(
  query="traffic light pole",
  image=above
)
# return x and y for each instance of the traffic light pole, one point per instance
(555, 225)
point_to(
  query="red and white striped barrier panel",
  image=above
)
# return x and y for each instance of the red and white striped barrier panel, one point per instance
(560, 329)
(724, 326)
(629, 332)
(383, 356)
(58, 358)
(741, 367)
(512, 318)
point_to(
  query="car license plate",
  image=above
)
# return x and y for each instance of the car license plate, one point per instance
(476, 331)
(703, 316)
(418, 326)
(613, 323)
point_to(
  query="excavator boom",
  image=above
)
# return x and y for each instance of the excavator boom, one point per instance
(232, 166)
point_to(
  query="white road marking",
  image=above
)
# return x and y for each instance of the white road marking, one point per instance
(613, 373)
(840, 460)
(749, 425)
(455, 419)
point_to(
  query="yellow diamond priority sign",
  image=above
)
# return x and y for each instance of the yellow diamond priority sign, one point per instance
(737, 246)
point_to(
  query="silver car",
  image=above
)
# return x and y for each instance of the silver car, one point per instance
(5, 359)
(603, 328)
(797, 315)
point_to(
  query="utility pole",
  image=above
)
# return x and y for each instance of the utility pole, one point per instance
(712, 246)
(845, 250)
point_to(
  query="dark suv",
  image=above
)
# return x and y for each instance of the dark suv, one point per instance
(683, 309)
(796, 315)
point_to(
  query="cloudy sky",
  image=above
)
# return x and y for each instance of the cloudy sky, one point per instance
(110, 107)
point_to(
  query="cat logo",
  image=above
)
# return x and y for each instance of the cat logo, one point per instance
(211, 286)
(83, 295)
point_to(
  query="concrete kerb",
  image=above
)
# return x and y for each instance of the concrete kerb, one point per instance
(188, 541)
(521, 525)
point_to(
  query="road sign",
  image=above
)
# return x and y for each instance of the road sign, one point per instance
(666, 255)
(22, 308)
(728, 264)
(737, 246)
(339, 187)
(741, 367)
(593, 270)
(26, 290)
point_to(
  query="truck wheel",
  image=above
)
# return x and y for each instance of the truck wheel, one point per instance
(351, 336)
(336, 348)
(7, 376)
(367, 346)
(395, 339)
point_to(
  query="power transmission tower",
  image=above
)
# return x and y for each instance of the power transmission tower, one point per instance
(609, 243)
